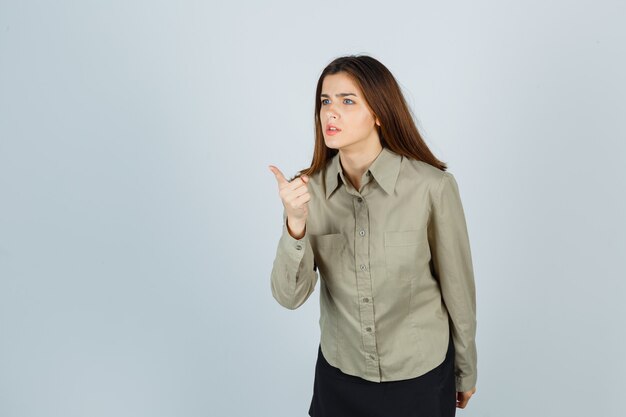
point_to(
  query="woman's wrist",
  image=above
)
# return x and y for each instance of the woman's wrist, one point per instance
(296, 228)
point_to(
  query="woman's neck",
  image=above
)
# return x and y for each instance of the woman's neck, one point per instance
(355, 164)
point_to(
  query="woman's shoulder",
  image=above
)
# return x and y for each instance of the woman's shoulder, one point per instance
(423, 170)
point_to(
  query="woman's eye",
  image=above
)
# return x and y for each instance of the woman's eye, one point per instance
(350, 101)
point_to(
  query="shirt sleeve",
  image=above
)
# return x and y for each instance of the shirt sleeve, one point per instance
(452, 263)
(294, 273)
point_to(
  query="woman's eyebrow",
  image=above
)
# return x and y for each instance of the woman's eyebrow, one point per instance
(339, 95)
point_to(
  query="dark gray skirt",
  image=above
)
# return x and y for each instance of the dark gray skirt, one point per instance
(336, 394)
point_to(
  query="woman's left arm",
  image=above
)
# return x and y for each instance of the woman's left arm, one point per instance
(452, 262)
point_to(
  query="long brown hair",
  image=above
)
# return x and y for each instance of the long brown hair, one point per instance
(397, 130)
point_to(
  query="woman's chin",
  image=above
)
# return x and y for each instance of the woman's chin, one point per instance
(332, 143)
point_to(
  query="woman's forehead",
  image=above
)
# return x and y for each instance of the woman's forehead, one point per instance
(334, 82)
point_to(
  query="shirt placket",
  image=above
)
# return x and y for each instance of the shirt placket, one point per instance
(364, 284)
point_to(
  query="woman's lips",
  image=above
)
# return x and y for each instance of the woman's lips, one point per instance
(330, 132)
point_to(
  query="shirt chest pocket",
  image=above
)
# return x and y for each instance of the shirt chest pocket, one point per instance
(329, 251)
(404, 252)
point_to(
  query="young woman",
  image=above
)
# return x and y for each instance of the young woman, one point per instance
(381, 219)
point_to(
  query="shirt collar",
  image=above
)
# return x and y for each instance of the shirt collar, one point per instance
(385, 169)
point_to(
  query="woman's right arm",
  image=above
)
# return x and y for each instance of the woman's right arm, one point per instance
(294, 273)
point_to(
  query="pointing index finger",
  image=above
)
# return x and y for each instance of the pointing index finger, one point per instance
(279, 175)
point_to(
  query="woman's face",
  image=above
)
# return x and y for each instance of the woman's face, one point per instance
(343, 106)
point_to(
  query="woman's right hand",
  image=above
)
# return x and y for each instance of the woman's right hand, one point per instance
(295, 196)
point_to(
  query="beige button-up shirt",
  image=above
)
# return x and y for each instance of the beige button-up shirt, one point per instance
(395, 266)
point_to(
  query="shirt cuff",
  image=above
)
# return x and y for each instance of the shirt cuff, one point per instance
(292, 247)
(465, 383)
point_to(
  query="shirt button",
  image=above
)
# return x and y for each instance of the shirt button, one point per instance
(362, 232)
(363, 267)
(369, 329)
(366, 300)
(360, 200)
(298, 247)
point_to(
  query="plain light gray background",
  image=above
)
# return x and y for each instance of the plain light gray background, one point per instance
(139, 220)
